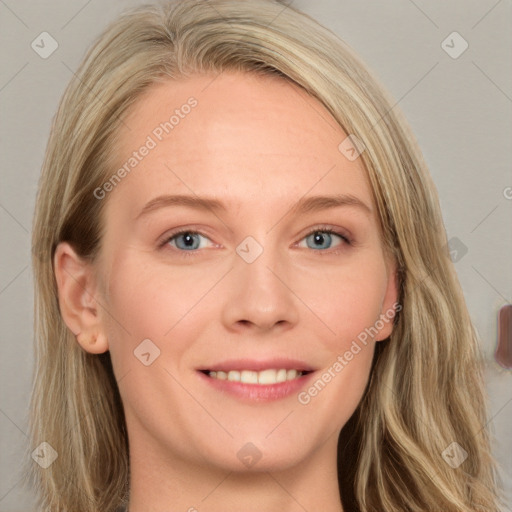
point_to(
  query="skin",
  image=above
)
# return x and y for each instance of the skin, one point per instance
(259, 144)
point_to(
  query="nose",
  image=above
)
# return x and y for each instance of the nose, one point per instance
(260, 295)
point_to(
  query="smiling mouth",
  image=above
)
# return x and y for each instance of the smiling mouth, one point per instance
(264, 377)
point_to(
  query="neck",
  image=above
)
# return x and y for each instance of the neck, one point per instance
(159, 483)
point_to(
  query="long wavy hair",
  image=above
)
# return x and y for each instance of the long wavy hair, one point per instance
(426, 387)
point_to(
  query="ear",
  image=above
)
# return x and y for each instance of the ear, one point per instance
(390, 306)
(78, 298)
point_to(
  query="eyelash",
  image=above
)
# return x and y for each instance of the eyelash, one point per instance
(319, 229)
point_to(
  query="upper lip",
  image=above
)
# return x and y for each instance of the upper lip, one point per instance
(258, 365)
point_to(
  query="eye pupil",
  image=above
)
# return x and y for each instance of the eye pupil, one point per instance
(320, 238)
(186, 240)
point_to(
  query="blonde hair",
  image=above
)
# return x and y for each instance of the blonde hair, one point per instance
(426, 386)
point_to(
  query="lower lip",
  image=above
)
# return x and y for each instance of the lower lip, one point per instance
(258, 392)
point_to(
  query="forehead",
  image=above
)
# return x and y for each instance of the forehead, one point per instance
(242, 137)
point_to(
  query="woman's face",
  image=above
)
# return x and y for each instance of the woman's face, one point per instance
(259, 289)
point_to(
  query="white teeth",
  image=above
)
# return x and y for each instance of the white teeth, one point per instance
(267, 377)
(248, 377)
(252, 377)
(281, 376)
(234, 376)
(291, 374)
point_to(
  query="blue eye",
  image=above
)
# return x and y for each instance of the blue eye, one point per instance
(323, 237)
(188, 241)
(189, 238)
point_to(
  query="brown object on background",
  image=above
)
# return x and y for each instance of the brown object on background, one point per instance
(503, 354)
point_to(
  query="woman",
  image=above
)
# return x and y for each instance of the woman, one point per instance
(258, 369)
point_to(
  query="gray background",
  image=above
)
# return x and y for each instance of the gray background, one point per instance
(459, 109)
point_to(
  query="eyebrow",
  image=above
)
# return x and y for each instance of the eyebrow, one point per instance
(305, 205)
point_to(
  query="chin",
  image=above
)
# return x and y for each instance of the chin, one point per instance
(252, 454)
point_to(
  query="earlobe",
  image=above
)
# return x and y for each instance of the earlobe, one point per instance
(78, 300)
(93, 343)
(390, 307)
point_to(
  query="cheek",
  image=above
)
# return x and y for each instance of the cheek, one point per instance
(163, 304)
(346, 300)
(141, 305)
